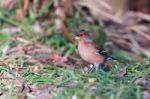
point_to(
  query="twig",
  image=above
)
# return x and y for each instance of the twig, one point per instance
(141, 33)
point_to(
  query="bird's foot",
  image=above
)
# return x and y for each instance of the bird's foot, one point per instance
(92, 68)
(99, 68)
(102, 67)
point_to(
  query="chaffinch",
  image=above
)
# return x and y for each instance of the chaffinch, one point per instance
(90, 53)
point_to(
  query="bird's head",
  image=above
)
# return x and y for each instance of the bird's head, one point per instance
(82, 35)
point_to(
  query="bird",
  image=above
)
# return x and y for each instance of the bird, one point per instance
(89, 52)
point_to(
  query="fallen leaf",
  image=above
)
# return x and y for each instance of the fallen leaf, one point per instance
(43, 95)
(25, 6)
(19, 14)
(141, 81)
(122, 72)
(74, 97)
(37, 27)
(58, 59)
(37, 68)
(86, 69)
(146, 94)
(10, 30)
(2, 63)
(5, 50)
(91, 81)
(9, 4)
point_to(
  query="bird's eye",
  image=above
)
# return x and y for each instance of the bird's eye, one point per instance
(81, 34)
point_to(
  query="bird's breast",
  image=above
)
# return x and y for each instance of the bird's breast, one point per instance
(88, 53)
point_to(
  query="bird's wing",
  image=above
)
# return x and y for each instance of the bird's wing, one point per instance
(99, 50)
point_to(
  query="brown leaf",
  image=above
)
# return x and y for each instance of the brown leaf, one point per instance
(146, 94)
(68, 7)
(11, 30)
(58, 59)
(37, 27)
(35, 5)
(91, 81)
(86, 69)
(9, 4)
(35, 49)
(25, 6)
(37, 68)
(19, 14)
(21, 96)
(23, 88)
(43, 95)
(2, 63)
(43, 4)
(143, 81)
(122, 72)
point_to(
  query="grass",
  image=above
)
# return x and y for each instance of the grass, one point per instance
(68, 83)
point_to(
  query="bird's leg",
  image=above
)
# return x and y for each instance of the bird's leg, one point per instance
(91, 65)
(101, 66)
(96, 67)
(92, 68)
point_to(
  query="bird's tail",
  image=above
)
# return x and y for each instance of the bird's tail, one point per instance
(108, 63)
(107, 58)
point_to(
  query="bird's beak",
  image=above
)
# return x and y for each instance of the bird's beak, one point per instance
(76, 37)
